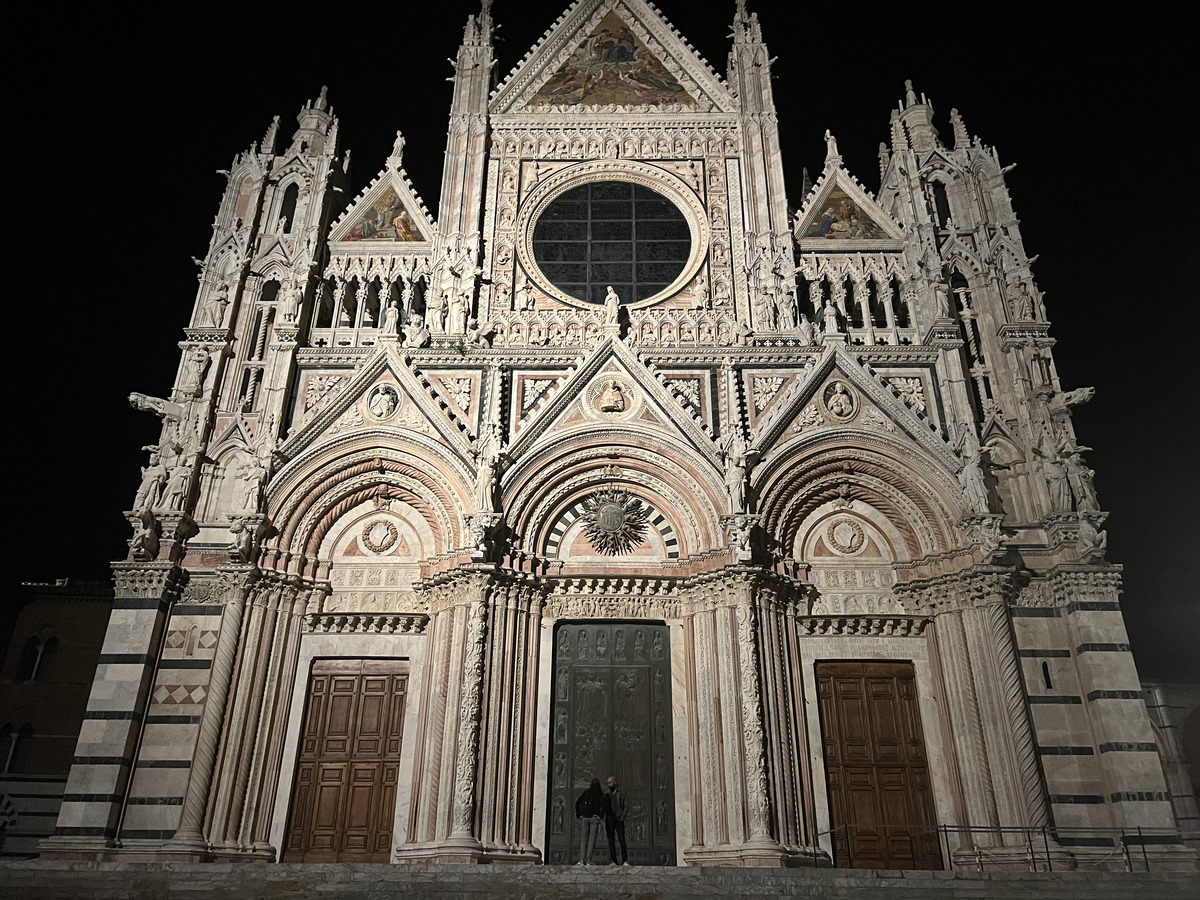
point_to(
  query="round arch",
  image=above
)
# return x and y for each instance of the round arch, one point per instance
(682, 486)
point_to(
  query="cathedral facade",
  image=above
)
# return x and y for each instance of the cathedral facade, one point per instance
(617, 467)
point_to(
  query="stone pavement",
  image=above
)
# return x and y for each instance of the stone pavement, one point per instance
(180, 881)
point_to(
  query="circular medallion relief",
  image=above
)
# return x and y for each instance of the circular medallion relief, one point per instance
(383, 401)
(612, 397)
(845, 536)
(379, 535)
(840, 400)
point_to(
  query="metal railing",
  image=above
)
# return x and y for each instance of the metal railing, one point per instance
(1041, 845)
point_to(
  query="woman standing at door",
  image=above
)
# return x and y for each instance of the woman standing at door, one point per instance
(589, 809)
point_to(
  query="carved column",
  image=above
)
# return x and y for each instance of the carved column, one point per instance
(505, 776)
(98, 782)
(237, 582)
(734, 824)
(443, 824)
(989, 718)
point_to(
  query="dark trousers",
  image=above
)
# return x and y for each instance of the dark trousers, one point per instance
(613, 827)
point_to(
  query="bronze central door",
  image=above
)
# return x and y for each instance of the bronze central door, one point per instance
(344, 797)
(880, 800)
(611, 715)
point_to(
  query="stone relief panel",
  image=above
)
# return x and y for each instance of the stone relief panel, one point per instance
(375, 553)
(850, 555)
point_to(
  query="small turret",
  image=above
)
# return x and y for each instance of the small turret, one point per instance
(316, 127)
(917, 119)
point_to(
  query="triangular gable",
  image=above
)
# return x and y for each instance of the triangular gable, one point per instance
(414, 410)
(839, 212)
(656, 403)
(877, 409)
(462, 391)
(765, 388)
(612, 53)
(388, 212)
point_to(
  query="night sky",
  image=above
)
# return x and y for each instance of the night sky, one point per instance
(120, 130)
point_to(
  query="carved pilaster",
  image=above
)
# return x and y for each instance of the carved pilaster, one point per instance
(468, 721)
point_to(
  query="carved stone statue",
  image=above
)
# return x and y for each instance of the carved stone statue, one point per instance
(241, 548)
(1079, 477)
(807, 333)
(436, 312)
(971, 476)
(831, 150)
(391, 318)
(456, 322)
(612, 306)
(214, 310)
(289, 304)
(143, 546)
(252, 476)
(415, 332)
(735, 456)
(177, 487)
(195, 365)
(831, 323)
(154, 476)
(611, 399)
(1090, 540)
(1055, 471)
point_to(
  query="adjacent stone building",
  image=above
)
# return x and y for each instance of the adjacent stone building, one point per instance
(617, 467)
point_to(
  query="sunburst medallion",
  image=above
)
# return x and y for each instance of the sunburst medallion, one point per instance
(615, 521)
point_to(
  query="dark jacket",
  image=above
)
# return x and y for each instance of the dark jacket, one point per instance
(590, 803)
(615, 805)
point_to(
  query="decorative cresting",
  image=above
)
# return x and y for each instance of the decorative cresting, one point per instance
(313, 500)
(657, 179)
(615, 521)
(793, 485)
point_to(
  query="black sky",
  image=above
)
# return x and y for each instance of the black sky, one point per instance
(121, 127)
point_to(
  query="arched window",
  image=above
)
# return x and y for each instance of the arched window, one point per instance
(19, 758)
(29, 658)
(941, 204)
(287, 211)
(46, 661)
(14, 748)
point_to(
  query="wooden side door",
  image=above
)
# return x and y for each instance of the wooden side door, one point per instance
(880, 798)
(344, 796)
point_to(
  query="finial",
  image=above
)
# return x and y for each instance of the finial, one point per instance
(899, 138)
(910, 97)
(741, 9)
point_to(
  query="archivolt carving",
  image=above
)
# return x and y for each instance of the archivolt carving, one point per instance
(315, 503)
(541, 491)
(795, 487)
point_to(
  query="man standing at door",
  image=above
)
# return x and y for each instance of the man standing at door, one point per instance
(589, 809)
(614, 820)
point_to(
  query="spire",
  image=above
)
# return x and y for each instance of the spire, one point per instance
(317, 131)
(962, 140)
(899, 138)
(268, 141)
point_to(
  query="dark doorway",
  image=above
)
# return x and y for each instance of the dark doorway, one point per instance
(344, 797)
(880, 799)
(611, 715)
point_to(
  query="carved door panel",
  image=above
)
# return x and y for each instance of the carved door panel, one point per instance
(880, 798)
(611, 715)
(344, 796)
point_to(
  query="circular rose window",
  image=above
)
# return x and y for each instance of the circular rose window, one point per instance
(611, 233)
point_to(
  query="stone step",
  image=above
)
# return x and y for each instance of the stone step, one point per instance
(58, 880)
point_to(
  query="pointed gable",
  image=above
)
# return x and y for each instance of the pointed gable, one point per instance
(387, 212)
(839, 212)
(612, 53)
